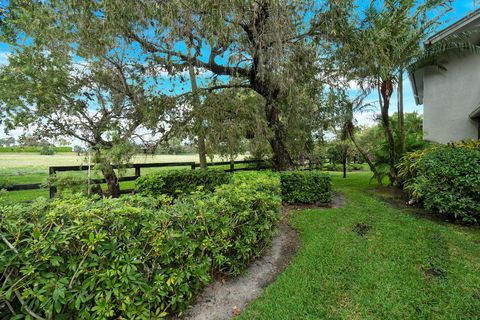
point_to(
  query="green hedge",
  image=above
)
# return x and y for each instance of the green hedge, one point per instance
(75, 258)
(33, 149)
(445, 179)
(178, 182)
(306, 187)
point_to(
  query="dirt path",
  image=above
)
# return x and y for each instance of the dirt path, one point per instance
(223, 300)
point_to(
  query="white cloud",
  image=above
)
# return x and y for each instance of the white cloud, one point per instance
(4, 57)
(353, 85)
(366, 118)
(12, 133)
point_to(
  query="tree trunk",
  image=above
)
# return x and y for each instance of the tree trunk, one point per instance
(202, 151)
(401, 116)
(376, 174)
(113, 186)
(386, 90)
(281, 157)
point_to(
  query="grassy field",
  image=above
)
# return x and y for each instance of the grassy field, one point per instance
(23, 168)
(32, 160)
(404, 266)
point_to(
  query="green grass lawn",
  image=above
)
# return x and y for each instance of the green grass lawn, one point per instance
(404, 267)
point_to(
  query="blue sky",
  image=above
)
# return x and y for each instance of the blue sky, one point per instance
(461, 8)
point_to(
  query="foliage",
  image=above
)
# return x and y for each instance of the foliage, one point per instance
(468, 144)
(409, 164)
(306, 187)
(103, 102)
(240, 216)
(264, 47)
(387, 40)
(32, 140)
(180, 182)
(232, 122)
(355, 167)
(68, 184)
(445, 179)
(339, 168)
(175, 146)
(47, 151)
(83, 259)
(373, 140)
(78, 149)
(333, 167)
(33, 149)
(7, 142)
(6, 182)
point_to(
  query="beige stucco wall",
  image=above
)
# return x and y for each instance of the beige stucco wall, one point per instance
(449, 97)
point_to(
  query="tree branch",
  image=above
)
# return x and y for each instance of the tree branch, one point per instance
(210, 65)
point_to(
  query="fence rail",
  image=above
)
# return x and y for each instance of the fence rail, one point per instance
(137, 167)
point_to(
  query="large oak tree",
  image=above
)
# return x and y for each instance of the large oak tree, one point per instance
(246, 44)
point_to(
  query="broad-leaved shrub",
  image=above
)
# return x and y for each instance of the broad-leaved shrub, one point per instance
(78, 258)
(306, 187)
(178, 182)
(448, 181)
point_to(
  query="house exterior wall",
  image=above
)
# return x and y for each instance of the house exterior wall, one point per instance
(449, 97)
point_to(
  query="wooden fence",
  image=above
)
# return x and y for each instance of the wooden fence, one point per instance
(138, 167)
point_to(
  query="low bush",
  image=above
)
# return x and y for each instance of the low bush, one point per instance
(355, 167)
(448, 181)
(47, 150)
(333, 167)
(68, 184)
(178, 182)
(306, 187)
(445, 179)
(75, 258)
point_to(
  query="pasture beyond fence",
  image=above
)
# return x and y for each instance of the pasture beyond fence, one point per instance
(137, 167)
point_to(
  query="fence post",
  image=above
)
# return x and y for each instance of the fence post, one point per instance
(53, 189)
(137, 171)
(193, 165)
(232, 166)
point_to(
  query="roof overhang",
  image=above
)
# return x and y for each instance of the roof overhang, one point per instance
(416, 80)
(470, 21)
(466, 23)
(475, 114)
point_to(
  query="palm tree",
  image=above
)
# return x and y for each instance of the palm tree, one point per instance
(350, 107)
(386, 42)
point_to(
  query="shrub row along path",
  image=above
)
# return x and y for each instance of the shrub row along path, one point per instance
(370, 260)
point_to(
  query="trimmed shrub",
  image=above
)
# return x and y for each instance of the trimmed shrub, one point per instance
(47, 151)
(178, 182)
(306, 187)
(447, 180)
(75, 258)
